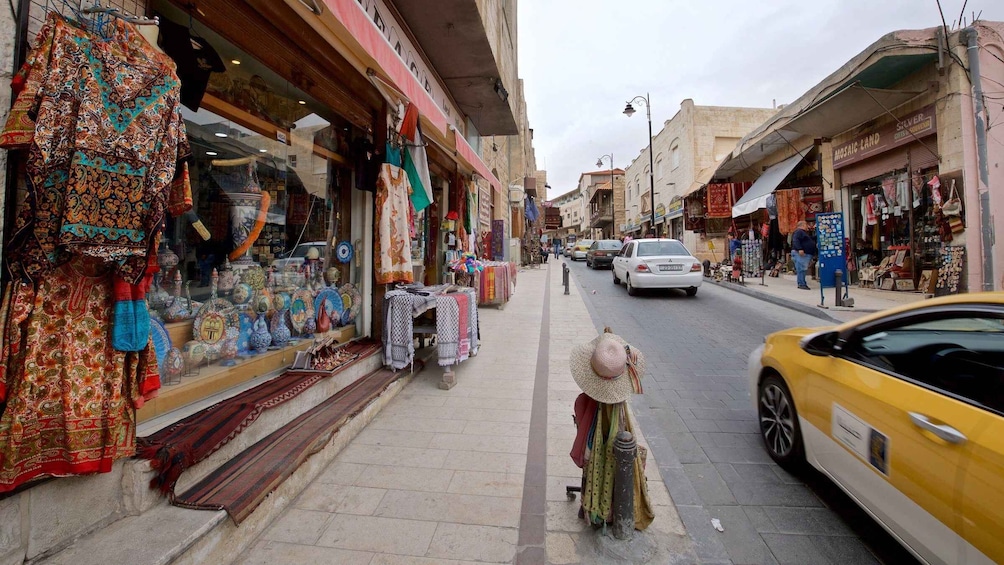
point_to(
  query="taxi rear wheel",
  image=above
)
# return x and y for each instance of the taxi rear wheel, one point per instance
(779, 427)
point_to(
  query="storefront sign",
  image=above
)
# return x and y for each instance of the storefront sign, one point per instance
(675, 207)
(914, 126)
(484, 205)
(660, 211)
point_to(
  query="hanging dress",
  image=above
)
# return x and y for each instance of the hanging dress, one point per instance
(393, 244)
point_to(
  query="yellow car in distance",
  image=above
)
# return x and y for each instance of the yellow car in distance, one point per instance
(904, 411)
(580, 248)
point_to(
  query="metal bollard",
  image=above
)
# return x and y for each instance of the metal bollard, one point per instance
(625, 451)
(564, 275)
(838, 276)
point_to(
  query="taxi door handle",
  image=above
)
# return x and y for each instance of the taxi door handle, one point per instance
(945, 432)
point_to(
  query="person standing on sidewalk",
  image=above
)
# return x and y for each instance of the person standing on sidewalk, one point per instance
(803, 249)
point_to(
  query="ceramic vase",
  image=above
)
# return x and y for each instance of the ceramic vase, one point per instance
(310, 326)
(243, 216)
(260, 338)
(280, 330)
(228, 278)
(174, 366)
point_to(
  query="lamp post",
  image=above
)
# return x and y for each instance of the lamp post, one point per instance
(613, 192)
(629, 111)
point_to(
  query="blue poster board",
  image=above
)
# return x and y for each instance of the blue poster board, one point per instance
(830, 242)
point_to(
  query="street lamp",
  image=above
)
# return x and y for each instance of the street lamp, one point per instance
(613, 193)
(629, 111)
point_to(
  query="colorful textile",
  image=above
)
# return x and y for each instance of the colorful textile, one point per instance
(789, 209)
(393, 246)
(585, 414)
(448, 329)
(398, 330)
(597, 496)
(719, 201)
(242, 483)
(416, 162)
(812, 202)
(108, 135)
(463, 324)
(185, 443)
(71, 397)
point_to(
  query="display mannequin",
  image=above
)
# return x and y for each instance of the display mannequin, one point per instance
(150, 32)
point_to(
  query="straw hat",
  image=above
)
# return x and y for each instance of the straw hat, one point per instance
(607, 368)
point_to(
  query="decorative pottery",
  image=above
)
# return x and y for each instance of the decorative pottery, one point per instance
(216, 323)
(158, 298)
(244, 212)
(301, 308)
(310, 326)
(179, 309)
(254, 277)
(228, 278)
(313, 254)
(194, 352)
(332, 302)
(173, 367)
(323, 321)
(166, 258)
(331, 276)
(246, 320)
(229, 349)
(260, 337)
(279, 328)
(161, 340)
(352, 302)
(241, 297)
(344, 252)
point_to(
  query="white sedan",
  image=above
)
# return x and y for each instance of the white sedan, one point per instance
(657, 263)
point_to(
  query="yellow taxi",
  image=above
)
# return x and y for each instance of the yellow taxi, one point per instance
(580, 248)
(904, 410)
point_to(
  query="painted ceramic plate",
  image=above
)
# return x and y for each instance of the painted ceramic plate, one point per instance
(161, 340)
(352, 302)
(343, 252)
(301, 309)
(332, 303)
(215, 324)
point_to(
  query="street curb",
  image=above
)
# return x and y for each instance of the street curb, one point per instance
(790, 304)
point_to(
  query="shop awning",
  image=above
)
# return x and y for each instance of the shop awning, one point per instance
(756, 197)
(703, 178)
(471, 159)
(847, 108)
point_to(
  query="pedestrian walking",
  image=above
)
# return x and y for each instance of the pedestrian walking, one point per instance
(803, 249)
(557, 248)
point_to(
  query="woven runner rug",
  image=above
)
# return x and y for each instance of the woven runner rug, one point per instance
(241, 484)
(185, 443)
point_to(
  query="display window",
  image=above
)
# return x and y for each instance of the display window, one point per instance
(263, 262)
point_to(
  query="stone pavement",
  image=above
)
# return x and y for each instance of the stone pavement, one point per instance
(476, 474)
(783, 291)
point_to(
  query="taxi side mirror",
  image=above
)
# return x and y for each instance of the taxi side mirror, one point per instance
(821, 344)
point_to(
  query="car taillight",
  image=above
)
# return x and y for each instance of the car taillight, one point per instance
(642, 268)
(696, 267)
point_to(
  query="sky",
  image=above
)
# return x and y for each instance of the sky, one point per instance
(581, 60)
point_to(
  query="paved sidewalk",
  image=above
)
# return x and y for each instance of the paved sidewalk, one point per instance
(476, 474)
(783, 291)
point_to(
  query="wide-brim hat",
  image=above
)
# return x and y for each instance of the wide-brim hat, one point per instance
(607, 388)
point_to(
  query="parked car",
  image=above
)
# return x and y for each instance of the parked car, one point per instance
(294, 259)
(657, 263)
(580, 248)
(602, 252)
(904, 411)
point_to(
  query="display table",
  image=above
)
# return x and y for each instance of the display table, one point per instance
(449, 312)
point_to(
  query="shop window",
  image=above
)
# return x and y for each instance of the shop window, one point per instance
(270, 191)
(674, 156)
(658, 167)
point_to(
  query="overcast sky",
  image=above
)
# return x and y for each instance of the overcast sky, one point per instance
(581, 60)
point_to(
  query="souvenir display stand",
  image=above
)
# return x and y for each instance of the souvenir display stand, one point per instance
(830, 243)
(449, 312)
(493, 281)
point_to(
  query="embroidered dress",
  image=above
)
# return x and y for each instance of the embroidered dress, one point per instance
(71, 409)
(108, 135)
(393, 246)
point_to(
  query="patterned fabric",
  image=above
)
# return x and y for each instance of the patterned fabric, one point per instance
(71, 397)
(812, 202)
(719, 201)
(789, 209)
(398, 339)
(107, 138)
(393, 246)
(448, 329)
(597, 496)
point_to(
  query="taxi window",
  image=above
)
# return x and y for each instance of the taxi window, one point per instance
(962, 355)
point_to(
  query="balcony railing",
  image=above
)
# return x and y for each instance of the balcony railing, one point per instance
(601, 216)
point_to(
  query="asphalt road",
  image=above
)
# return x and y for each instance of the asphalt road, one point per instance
(701, 427)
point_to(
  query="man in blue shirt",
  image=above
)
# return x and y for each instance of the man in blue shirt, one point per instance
(803, 248)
